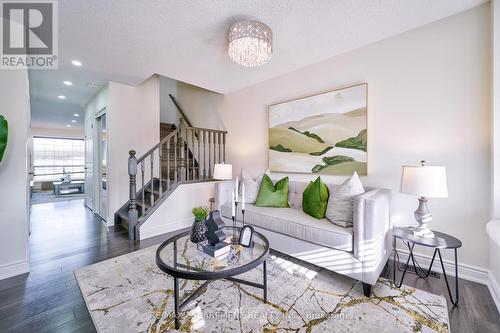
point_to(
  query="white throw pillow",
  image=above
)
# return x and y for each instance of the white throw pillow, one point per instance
(252, 187)
(340, 203)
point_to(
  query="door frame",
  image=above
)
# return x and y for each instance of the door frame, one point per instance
(97, 165)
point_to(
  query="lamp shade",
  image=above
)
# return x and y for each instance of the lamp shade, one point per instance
(223, 171)
(424, 181)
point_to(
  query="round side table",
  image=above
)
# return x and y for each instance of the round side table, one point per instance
(440, 242)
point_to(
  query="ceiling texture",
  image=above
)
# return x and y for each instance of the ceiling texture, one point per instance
(127, 41)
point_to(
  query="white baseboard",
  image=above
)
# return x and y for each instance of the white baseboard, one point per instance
(466, 272)
(164, 228)
(14, 269)
(494, 290)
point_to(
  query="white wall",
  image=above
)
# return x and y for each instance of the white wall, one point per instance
(428, 98)
(175, 212)
(77, 133)
(133, 117)
(168, 111)
(201, 106)
(14, 174)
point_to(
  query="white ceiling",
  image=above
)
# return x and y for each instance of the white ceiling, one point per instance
(127, 40)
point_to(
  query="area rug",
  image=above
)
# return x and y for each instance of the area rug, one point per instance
(49, 196)
(130, 294)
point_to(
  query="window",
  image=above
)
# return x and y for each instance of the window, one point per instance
(53, 157)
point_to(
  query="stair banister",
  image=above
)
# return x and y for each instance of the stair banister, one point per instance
(189, 164)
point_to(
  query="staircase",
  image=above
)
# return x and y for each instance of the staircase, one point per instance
(185, 154)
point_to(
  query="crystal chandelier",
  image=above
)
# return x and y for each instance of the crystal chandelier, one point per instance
(250, 43)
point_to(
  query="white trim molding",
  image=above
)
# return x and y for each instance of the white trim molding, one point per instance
(165, 228)
(466, 272)
(14, 268)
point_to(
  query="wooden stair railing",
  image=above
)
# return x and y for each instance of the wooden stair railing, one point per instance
(186, 155)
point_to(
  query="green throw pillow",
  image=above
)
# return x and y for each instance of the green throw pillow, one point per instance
(315, 199)
(273, 195)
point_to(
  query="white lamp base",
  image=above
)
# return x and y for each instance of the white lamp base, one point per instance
(422, 232)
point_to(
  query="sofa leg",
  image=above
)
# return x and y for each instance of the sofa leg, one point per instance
(367, 289)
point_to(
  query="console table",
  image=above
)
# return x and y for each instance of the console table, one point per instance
(58, 186)
(440, 242)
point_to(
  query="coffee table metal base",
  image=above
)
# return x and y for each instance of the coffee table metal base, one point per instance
(178, 306)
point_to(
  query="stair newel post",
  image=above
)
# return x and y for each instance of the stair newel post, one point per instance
(152, 196)
(224, 147)
(132, 207)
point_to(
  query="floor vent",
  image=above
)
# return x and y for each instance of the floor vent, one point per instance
(411, 269)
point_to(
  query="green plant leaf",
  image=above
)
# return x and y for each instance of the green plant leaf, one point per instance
(4, 133)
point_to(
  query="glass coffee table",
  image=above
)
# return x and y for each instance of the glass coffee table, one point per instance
(181, 259)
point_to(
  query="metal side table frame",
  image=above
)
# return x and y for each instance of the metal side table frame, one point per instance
(439, 242)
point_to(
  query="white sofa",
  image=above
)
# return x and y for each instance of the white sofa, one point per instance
(360, 252)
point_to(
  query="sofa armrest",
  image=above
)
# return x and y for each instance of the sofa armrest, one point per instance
(371, 225)
(223, 192)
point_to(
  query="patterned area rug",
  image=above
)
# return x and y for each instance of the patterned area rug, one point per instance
(130, 294)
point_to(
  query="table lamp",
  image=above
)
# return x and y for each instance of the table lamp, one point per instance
(425, 182)
(223, 171)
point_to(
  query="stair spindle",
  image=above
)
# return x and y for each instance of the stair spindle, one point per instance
(152, 196)
(199, 156)
(224, 147)
(192, 154)
(175, 158)
(168, 164)
(160, 176)
(209, 155)
(143, 188)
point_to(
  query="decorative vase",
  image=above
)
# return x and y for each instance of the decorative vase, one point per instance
(198, 231)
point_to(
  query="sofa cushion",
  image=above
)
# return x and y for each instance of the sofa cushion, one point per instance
(252, 186)
(273, 195)
(340, 204)
(297, 224)
(315, 199)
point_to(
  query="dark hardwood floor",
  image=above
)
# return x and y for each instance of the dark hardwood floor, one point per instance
(66, 236)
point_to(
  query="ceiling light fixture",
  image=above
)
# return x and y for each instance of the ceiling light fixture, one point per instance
(68, 83)
(68, 125)
(76, 114)
(76, 63)
(73, 121)
(61, 97)
(250, 43)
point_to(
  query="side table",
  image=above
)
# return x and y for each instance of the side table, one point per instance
(440, 242)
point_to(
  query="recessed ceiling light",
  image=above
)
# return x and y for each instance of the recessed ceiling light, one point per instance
(68, 125)
(68, 83)
(76, 114)
(76, 63)
(61, 97)
(73, 121)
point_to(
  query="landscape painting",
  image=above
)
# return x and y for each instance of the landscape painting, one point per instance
(323, 134)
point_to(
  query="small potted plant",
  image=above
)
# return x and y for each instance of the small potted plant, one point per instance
(4, 132)
(198, 228)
